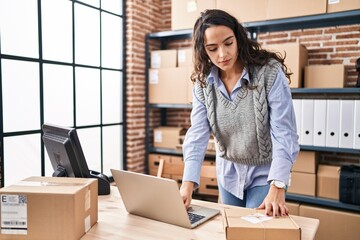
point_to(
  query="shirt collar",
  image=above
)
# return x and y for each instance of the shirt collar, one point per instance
(213, 77)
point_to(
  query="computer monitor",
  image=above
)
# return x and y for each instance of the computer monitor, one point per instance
(67, 158)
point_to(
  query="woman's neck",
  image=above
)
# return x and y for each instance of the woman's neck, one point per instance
(231, 77)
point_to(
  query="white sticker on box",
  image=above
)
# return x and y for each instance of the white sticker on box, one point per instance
(191, 6)
(333, 1)
(181, 56)
(14, 214)
(256, 218)
(155, 60)
(158, 136)
(154, 77)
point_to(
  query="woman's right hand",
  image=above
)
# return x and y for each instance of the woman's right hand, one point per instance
(186, 191)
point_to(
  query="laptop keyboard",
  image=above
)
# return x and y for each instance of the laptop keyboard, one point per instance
(194, 217)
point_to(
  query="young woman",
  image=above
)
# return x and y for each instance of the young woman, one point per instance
(241, 94)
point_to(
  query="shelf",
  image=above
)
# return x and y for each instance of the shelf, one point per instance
(329, 93)
(312, 21)
(329, 149)
(175, 34)
(173, 152)
(326, 90)
(352, 93)
(302, 147)
(323, 202)
(296, 23)
(170, 105)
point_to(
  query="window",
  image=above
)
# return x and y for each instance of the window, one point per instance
(61, 62)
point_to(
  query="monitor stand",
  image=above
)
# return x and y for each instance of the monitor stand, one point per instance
(103, 182)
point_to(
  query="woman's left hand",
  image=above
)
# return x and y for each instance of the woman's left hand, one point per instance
(274, 202)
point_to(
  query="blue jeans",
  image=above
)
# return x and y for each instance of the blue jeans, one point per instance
(253, 197)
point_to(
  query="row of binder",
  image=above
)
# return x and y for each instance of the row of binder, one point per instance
(328, 123)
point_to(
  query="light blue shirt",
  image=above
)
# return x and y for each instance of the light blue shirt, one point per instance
(235, 177)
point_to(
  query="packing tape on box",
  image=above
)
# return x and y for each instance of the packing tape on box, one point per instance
(41, 184)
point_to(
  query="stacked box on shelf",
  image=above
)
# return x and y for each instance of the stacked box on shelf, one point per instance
(167, 137)
(167, 83)
(154, 161)
(303, 175)
(173, 166)
(327, 182)
(185, 13)
(169, 76)
(334, 224)
(209, 185)
(244, 10)
(342, 5)
(293, 207)
(286, 9)
(296, 60)
(185, 61)
(324, 76)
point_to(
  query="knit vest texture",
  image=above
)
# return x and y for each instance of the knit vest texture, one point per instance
(241, 127)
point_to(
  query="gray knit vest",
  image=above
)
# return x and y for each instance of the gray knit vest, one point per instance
(241, 127)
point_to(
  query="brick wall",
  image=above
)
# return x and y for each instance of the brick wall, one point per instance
(325, 45)
(142, 16)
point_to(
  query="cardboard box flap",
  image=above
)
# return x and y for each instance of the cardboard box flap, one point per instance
(50, 185)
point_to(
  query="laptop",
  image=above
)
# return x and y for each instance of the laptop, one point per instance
(159, 199)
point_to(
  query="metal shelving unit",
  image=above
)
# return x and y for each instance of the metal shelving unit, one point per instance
(313, 21)
(304, 22)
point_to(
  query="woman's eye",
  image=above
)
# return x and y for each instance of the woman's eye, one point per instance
(229, 43)
(212, 49)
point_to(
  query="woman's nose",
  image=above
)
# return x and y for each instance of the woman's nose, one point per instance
(221, 52)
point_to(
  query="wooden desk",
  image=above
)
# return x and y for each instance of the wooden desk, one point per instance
(115, 223)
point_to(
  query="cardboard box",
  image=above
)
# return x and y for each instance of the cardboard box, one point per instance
(154, 160)
(178, 179)
(293, 208)
(49, 208)
(324, 76)
(328, 178)
(185, 57)
(208, 186)
(334, 225)
(302, 183)
(167, 137)
(176, 160)
(295, 8)
(306, 162)
(236, 227)
(244, 10)
(163, 58)
(342, 5)
(185, 12)
(296, 60)
(169, 85)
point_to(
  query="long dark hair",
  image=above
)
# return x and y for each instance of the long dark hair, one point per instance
(250, 52)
